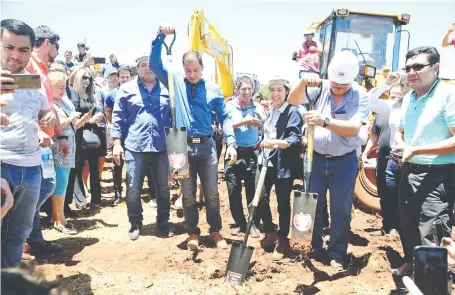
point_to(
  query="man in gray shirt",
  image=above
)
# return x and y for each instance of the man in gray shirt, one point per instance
(19, 142)
(337, 115)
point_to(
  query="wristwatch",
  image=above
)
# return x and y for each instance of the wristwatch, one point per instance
(62, 137)
(326, 122)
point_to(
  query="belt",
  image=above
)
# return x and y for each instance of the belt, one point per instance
(425, 167)
(198, 139)
(335, 157)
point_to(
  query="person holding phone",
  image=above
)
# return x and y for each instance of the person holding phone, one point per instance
(19, 141)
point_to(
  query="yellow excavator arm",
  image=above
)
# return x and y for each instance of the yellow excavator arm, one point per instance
(209, 41)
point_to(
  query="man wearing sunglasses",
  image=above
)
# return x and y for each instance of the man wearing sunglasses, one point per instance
(337, 115)
(45, 50)
(426, 134)
(309, 54)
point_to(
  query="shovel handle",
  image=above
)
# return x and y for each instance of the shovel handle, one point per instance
(170, 78)
(169, 47)
(310, 154)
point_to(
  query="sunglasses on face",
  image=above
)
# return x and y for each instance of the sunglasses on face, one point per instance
(308, 35)
(57, 46)
(87, 78)
(415, 67)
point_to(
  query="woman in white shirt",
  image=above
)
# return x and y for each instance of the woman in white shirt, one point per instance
(390, 171)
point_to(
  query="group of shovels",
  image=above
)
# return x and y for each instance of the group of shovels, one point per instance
(304, 204)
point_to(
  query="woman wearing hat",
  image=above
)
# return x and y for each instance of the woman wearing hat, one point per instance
(282, 130)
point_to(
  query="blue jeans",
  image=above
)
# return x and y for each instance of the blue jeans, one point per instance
(389, 201)
(203, 161)
(137, 166)
(17, 224)
(338, 175)
(47, 188)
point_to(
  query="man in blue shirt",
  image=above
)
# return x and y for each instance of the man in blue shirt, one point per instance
(141, 112)
(124, 75)
(426, 135)
(68, 57)
(195, 99)
(246, 122)
(338, 115)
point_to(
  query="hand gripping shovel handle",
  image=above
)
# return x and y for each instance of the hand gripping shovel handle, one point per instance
(170, 78)
(310, 140)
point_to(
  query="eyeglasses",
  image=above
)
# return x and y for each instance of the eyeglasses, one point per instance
(87, 78)
(57, 46)
(415, 67)
(308, 35)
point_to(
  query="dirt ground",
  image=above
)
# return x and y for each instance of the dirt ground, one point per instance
(101, 259)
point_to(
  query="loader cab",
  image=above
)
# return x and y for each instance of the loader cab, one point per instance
(376, 40)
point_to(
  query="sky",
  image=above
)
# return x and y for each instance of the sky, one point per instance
(263, 34)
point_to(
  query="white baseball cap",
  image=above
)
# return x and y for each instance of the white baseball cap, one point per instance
(343, 68)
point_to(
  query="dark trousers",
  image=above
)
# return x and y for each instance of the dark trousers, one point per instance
(244, 168)
(219, 146)
(138, 164)
(117, 177)
(203, 161)
(283, 187)
(75, 175)
(388, 183)
(427, 194)
(95, 182)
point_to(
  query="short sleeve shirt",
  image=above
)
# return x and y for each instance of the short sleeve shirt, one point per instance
(19, 143)
(427, 119)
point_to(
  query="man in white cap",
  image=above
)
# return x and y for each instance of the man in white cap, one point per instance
(140, 114)
(338, 116)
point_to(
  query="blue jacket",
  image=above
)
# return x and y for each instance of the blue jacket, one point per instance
(289, 128)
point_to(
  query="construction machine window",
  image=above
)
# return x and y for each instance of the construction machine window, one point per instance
(325, 34)
(369, 37)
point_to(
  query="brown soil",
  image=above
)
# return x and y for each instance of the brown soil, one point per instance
(101, 259)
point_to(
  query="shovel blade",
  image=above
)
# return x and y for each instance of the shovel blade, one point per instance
(303, 215)
(177, 151)
(238, 263)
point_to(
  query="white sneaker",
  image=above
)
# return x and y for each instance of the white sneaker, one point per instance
(179, 203)
(152, 203)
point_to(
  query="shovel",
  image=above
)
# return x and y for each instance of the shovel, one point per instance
(240, 256)
(176, 138)
(304, 207)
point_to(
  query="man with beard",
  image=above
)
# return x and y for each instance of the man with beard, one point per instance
(19, 142)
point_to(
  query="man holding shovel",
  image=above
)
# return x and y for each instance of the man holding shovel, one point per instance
(195, 99)
(140, 114)
(338, 114)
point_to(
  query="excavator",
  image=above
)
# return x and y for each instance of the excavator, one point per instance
(380, 42)
(203, 38)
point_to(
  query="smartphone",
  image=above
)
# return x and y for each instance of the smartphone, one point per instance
(26, 81)
(431, 270)
(438, 232)
(93, 110)
(99, 60)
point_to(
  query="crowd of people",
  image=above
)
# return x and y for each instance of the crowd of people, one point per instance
(54, 141)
